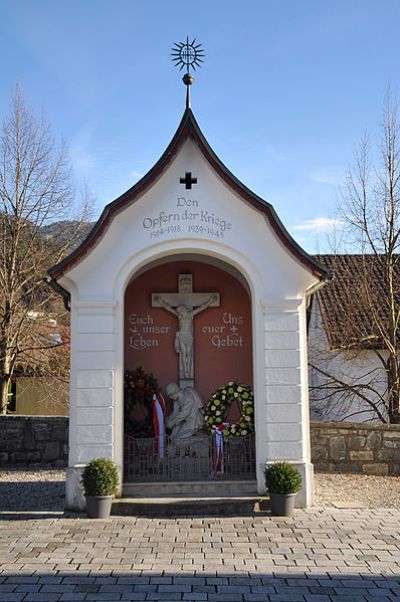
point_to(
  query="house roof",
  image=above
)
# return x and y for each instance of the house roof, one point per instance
(356, 298)
(188, 128)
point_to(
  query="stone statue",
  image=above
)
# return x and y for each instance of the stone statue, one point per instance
(187, 416)
(185, 304)
(184, 335)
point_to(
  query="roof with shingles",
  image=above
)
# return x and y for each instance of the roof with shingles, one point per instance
(351, 301)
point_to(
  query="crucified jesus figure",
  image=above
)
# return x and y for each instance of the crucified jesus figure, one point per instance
(184, 335)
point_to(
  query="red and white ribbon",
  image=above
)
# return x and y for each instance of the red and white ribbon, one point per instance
(159, 423)
(219, 452)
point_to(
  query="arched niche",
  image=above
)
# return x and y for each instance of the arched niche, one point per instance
(222, 335)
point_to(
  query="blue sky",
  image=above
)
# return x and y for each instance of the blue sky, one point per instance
(287, 89)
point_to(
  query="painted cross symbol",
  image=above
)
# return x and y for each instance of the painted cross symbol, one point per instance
(188, 180)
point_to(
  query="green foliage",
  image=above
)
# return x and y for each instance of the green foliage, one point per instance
(218, 408)
(282, 477)
(100, 477)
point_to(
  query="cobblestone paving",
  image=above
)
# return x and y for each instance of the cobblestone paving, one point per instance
(319, 555)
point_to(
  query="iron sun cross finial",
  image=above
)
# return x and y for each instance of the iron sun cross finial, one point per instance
(187, 55)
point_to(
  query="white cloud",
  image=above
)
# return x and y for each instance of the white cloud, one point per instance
(327, 176)
(317, 225)
(274, 154)
(107, 173)
(136, 175)
(83, 159)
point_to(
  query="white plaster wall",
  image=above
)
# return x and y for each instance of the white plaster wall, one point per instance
(358, 367)
(277, 284)
(286, 391)
(92, 391)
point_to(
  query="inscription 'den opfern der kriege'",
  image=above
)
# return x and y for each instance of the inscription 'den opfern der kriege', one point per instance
(188, 217)
(145, 333)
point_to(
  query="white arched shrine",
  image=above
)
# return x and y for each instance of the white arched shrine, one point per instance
(189, 204)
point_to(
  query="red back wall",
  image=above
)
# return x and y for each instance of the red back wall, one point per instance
(222, 335)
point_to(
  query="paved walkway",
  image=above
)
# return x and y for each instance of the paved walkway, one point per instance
(318, 555)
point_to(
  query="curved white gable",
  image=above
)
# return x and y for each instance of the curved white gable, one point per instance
(210, 215)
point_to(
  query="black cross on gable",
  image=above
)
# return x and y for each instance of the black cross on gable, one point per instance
(188, 180)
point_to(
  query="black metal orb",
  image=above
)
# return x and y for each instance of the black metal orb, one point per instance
(188, 79)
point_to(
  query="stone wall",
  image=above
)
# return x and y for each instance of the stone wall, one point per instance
(335, 447)
(34, 440)
(349, 447)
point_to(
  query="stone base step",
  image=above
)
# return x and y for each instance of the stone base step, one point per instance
(189, 506)
(192, 489)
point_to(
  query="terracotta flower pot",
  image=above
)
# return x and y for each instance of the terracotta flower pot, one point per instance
(282, 504)
(98, 506)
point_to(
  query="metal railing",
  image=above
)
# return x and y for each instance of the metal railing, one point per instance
(193, 459)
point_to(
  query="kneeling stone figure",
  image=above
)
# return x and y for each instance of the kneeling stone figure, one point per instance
(187, 416)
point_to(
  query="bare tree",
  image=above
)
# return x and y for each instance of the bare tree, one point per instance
(369, 282)
(35, 190)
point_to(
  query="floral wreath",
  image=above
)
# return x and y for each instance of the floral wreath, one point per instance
(139, 388)
(219, 404)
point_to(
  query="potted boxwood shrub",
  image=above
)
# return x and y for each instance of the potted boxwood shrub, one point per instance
(283, 481)
(100, 481)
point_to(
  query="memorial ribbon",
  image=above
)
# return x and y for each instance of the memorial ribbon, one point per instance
(159, 423)
(219, 443)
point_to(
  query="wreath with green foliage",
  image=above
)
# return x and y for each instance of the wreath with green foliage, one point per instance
(139, 388)
(219, 404)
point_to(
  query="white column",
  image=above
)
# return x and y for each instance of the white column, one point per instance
(91, 427)
(286, 389)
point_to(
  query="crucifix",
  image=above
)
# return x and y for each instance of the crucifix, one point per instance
(185, 305)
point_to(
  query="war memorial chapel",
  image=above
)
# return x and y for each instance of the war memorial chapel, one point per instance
(188, 333)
